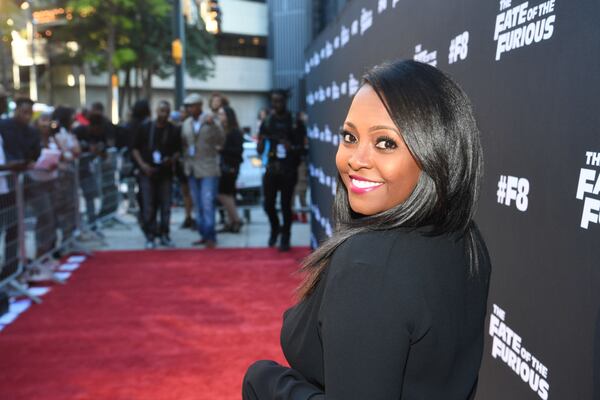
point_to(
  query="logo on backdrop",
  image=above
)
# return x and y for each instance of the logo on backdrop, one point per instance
(459, 48)
(324, 222)
(508, 345)
(334, 91)
(322, 177)
(588, 189)
(523, 25)
(424, 56)
(513, 190)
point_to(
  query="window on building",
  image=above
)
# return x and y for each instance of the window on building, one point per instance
(242, 45)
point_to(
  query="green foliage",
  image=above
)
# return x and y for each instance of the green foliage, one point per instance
(143, 34)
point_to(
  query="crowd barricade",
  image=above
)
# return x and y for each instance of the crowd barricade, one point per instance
(44, 214)
(108, 176)
(12, 214)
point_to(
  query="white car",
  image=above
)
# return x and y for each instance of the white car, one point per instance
(249, 181)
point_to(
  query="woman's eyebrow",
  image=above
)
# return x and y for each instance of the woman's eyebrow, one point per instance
(351, 125)
(381, 127)
(374, 128)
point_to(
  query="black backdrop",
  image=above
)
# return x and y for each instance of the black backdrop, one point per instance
(532, 71)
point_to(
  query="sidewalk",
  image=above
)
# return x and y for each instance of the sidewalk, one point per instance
(255, 233)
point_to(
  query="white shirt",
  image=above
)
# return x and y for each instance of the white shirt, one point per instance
(197, 124)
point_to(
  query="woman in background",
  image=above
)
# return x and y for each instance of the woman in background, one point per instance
(231, 158)
(393, 305)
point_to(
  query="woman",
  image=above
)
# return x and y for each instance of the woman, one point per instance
(231, 158)
(66, 197)
(393, 305)
(41, 183)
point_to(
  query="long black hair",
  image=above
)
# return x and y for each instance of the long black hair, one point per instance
(63, 116)
(437, 124)
(232, 121)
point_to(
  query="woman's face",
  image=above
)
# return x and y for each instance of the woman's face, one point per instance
(222, 117)
(377, 168)
(43, 124)
(216, 102)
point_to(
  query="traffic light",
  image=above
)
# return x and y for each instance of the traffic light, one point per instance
(177, 51)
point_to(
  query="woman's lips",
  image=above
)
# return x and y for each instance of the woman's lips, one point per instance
(360, 185)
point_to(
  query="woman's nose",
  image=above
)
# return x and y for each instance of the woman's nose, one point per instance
(360, 157)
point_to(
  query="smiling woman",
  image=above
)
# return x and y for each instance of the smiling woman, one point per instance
(393, 305)
(373, 161)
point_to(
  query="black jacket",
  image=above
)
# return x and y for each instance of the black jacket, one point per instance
(282, 130)
(397, 315)
(231, 155)
(21, 142)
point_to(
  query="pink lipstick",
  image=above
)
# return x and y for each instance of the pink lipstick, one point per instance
(360, 185)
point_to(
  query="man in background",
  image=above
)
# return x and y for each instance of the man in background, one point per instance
(21, 146)
(201, 140)
(94, 139)
(21, 140)
(155, 150)
(282, 144)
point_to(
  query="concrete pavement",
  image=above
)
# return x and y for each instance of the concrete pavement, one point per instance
(255, 233)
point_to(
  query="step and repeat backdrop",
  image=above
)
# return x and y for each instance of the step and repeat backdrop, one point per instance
(532, 71)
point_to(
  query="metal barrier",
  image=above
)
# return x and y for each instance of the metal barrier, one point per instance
(41, 215)
(108, 174)
(11, 212)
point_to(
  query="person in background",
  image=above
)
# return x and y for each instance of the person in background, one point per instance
(262, 115)
(81, 118)
(21, 145)
(302, 185)
(65, 207)
(8, 221)
(231, 158)
(63, 121)
(156, 149)
(3, 102)
(182, 179)
(201, 141)
(217, 100)
(281, 145)
(21, 141)
(94, 139)
(40, 189)
(140, 113)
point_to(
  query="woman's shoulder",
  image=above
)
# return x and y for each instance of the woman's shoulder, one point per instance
(398, 252)
(384, 242)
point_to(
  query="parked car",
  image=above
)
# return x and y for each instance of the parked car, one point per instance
(249, 181)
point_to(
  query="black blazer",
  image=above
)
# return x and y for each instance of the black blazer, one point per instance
(397, 315)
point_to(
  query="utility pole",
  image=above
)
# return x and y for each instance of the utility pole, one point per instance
(33, 89)
(178, 52)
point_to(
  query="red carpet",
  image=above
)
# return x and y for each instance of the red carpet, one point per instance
(151, 325)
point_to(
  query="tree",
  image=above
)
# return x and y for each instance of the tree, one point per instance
(154, 52)
(126, 35)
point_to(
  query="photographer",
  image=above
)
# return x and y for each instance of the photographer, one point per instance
(281, 143)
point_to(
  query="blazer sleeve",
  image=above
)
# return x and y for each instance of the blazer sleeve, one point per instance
(370, 315)
(267, 380)
(216, 135)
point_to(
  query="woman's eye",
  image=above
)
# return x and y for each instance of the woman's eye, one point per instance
(347, 137)
(386, 144)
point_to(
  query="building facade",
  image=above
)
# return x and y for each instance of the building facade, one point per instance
(242, 68)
